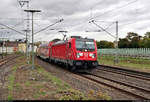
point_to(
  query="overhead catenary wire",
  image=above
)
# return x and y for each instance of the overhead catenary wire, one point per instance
(10, 18)
(48, 27)
(18, 24)
(102, 28)
(12, 29)
(111, 23)
(106, 12)
(116, 8)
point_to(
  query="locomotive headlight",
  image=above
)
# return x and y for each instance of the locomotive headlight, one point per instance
(92, 55)
(79, 54)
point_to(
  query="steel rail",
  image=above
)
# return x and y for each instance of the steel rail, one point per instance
(112, 86)
(137, 73)
(124, 73)
(6, 60)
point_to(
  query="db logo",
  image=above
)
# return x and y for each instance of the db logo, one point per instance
(86, 55)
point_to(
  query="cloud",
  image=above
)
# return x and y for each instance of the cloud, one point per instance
(76, 15)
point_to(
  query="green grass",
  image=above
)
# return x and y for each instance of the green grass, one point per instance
(10, 97)
(19, 53)
(39, 86)
(125, 62)
(11, 79)
(18, 87)
(63, 89)
(61, 84)
(27, 83)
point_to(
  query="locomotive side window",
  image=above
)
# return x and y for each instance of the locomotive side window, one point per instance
(69, 44)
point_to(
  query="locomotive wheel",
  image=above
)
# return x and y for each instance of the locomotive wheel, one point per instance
(67, 66)
(72, 68)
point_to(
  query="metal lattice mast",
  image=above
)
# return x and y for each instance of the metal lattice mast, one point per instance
(27, 30)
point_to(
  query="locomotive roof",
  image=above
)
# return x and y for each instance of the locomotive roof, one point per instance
(84, 39)
(64, 41)
(59, 42)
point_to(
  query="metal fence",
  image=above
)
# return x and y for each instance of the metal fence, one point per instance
(126, 52)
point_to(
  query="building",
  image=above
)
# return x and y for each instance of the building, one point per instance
(12, 46)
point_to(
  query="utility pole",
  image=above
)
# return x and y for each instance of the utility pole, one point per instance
(116, 38)
(116, 44)
(3, 45)
(32, 11)
(3, 48)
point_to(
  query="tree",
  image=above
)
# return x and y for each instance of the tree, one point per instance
(133, 39)
(98, 44)
(147, 35)
(38, 43)
(123, 43)
(145, 43)
(105, 44)
(131, 35)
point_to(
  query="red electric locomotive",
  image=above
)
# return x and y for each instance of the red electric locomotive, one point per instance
(74, 53)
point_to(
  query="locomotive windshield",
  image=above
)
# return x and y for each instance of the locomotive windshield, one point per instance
(85, 45)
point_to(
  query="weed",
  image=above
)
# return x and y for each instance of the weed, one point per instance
(42, 93)
(36, 96)
(39, 86)
(92, 95)
(10, 97)
(18, 53)
(18, 87)
(72, 94)
(11, 79)
(103, 96)
(61, 84)
(27, 83)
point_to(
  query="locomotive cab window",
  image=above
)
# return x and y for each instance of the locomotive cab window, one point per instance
(85, 45)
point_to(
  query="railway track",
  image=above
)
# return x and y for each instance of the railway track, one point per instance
(138, 92)
(131, 89)
(126, 72)
(6, 60)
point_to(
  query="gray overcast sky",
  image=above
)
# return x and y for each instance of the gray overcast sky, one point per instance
(76, 14)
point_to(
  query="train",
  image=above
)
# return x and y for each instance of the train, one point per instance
(75, 53)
